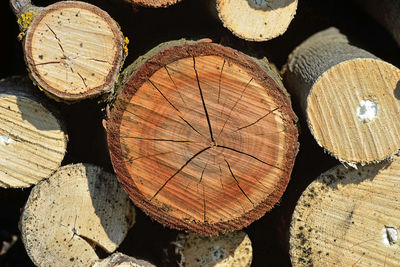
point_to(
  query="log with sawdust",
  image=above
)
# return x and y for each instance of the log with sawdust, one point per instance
(350, 97)
(78, 210)
(349, 217)
(202, 137)
(386, 12)
(73, 50)
(256, 20)
(33, 140)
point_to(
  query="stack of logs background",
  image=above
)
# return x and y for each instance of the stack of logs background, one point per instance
(193, 19)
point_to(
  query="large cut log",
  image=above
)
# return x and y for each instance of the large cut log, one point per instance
(154, 3)
(33, 139)
(78, 210)
(232, 249)
(256, 20)
(202, 137)
(73, 50)
(386, 12)
(349, 97)
(349, 217)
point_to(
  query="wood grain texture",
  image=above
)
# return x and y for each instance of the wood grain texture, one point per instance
(349, 217)
(202, 137)
(74, 51)
(386, 12)
(332, 80)
(154, 3)
(122, 260)
(78, 208)
(33, 139)
(232, 249)
(256, 20)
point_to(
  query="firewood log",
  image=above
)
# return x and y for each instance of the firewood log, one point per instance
(73, 50)
(349, 217)
(121, 260)
(153, 3)
(33, 140)
(79, 209)
(349, 97)
(256, 20)
(202, 137)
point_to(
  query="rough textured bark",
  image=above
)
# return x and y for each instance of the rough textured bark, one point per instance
(202, 137)
(386, 12)
(349, 96)
(80, 207)
(154, 3)
(73, 50)
(256, 20)
(233, 249)
(33, 140)
(348, 217)
(121, 260)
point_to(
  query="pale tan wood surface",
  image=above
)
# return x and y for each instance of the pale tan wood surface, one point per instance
(33, 140)
(204, 142)
(256, 20)
(349, 217)
(122, 260)
(79, 208)
(348, 97)
(233, 249)
(73, 50)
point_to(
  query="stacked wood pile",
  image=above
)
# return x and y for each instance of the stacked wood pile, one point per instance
(200, 133)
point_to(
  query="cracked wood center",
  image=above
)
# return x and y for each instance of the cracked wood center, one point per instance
(74, 50)
(202, 141)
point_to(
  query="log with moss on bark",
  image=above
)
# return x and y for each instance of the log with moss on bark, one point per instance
(202, 137)
(350, 97)
(33, 138)
(73, 50)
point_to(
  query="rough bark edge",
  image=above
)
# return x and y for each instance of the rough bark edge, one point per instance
(168, 53)
(216, 9)
(112, 77)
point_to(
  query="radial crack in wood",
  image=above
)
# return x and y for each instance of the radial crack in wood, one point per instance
(33, 140)
(348, 96)
(223, 179)
(256, 20)
(73, 50)
(349, 217)
(79, 208)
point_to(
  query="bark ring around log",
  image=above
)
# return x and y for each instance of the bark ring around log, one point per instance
(202, 137)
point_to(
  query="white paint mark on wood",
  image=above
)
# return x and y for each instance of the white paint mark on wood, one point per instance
(5, 140)
(389, 235)
(367, 110)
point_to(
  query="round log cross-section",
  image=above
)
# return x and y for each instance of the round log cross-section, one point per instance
(202, 137)
(73, 50)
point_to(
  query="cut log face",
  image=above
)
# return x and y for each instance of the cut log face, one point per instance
(232, 249)
(202, 138)
(349, 96)
(74, 50)
(256, 20)
(349, 217)
(154, 3)
(121, 260)
(32, 139)
(78, 208)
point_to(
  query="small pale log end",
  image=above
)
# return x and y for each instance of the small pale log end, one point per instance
(80, 207)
